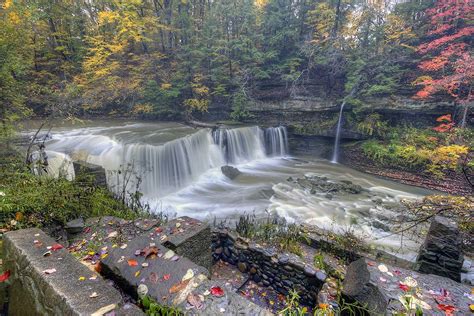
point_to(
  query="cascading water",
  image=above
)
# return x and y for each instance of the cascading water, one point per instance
(335, 155)
(276, 141)
(166, 168)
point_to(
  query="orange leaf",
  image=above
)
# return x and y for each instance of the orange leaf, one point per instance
(132, 262)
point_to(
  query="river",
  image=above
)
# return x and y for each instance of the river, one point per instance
(180, 171)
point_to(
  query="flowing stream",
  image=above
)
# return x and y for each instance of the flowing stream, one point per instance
(180, 174)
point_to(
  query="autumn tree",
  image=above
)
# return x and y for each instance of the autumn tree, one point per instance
(447, 58)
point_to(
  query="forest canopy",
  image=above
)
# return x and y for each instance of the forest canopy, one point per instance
(170, 58)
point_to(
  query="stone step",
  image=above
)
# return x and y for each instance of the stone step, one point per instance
(66, 290)
(159, 273)
(383, 288)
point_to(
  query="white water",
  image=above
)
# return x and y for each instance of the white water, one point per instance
(181, 174)
(335, 155)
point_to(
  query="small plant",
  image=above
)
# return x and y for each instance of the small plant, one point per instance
(319, 262)
(293, 307)
(152, 308)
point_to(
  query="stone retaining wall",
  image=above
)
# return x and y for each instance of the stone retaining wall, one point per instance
(269, 267)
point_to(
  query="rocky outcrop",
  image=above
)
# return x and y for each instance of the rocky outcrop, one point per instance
(441, 252)
(385, 290)
(230, 172)
(317, 184)
(98, 172)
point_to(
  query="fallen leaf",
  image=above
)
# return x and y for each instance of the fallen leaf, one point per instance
(169, 254)
(383, 268)
(104, 310)
(145, 264)
(178, 287)
(123, 246)
(82, 278)
(409, 281)
(4, 276)
(153, 277)
(94, 295)
(166, 277)
(206, 293)
(217, 291)
(47, 254)
(370, 263)
(448, 309)
(403, 287)
(149, 251)
(112, 234)
(189, 274)
(142, 290)
(132, 262)
(195, 301)
(94, 277)
(178, 225)
(175, 258)
(105, 255)
(56, 247)
(49, 271)
(137, 273)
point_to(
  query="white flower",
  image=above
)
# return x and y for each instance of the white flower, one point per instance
(2, 193)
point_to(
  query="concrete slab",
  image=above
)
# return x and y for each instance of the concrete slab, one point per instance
(52, 282)
(159, 275)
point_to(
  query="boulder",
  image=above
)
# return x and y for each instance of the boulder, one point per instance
(382, 288)
(230, 172)
(441, 252)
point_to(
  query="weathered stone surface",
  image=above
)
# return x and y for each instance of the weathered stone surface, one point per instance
(33, 292)
(380, 287)
(190, 238)
(75, 226)
(281, 271)
(159, 275)
(441, 252)
(230, 172)
(230, 303)
(99, 174)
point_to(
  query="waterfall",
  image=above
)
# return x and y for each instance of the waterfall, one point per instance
(166, 168)
(335, 155)
(276, 141)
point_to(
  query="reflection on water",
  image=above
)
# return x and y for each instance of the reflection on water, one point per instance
(181, 170)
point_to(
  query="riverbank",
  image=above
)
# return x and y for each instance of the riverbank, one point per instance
(454, 183)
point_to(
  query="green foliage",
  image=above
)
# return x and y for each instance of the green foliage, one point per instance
(273, 229)
(422, 149)
(239, 107)
(153, 308)
(43, 201)
(373, 125)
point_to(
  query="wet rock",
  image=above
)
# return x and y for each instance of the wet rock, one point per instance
(370, 283)
(230, 172)
(242, 267)
(441, 252)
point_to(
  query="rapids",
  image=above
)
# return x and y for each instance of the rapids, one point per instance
(180, 172)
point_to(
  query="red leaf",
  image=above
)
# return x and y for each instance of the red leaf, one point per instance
(404, 287)
(4, 276)
(166, 277)
(217, 291)
(56, 247)
(132, 262)
(448, 309)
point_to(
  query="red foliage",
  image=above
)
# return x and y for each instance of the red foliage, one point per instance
(450, 62)
(446, 123)
(4, 276)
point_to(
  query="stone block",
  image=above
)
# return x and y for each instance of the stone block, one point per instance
(190, 238)
(33, 292)
(158, 273)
